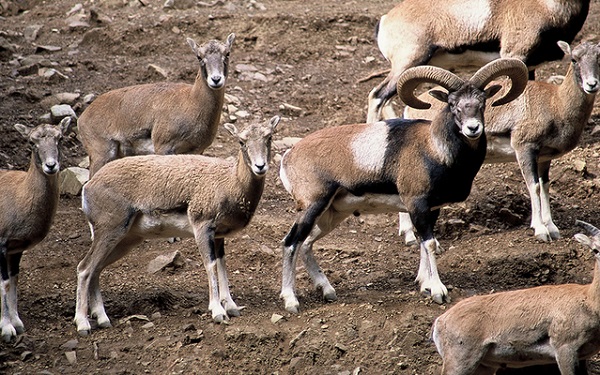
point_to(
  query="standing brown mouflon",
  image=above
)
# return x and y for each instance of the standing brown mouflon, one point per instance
(156, 196)
(28, 202)
(470, 33)
(159, 118)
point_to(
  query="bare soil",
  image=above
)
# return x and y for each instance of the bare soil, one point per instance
(309, 54)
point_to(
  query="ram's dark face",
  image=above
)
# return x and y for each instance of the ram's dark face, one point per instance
(467, 105)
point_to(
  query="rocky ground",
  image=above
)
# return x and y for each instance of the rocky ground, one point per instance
(302, 60)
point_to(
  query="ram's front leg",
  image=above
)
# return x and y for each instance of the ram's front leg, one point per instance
(546, 213)
(428, 276)
(328, 221)
(10, 323)
(406, 229)
(527, 158)
(224, 294)
(204, 233)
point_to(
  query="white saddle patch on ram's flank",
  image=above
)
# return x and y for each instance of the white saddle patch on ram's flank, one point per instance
(368, 147)
(555, 6)
(473, 14)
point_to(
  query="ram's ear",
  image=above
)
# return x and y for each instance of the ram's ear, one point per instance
(65, 125)
(230, 39)
(231, 128)
(23, 129)
(566, 48)
(439, 95)
(273, 122)
(192, 43)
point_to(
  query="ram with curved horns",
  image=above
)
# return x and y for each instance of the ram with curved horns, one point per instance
(413, 166)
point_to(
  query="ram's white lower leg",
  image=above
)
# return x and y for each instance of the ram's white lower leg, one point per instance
(539, 228)
(10, 323)
(204, 234)
(546, 213)
(219, 315)
(82, 301)
(327, 222)
(315, 272)
(224, 294)
(96, 303)
(16, 321)
(288, 279)
(406, 229)
(428, 276)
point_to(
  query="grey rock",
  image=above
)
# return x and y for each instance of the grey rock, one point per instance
(72, 179)
(161, 262)
(60, 111)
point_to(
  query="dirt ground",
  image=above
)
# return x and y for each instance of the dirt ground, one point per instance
(309, 54)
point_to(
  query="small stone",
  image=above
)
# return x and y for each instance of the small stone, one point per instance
(25, 355)
(291, 109)
(84, 163)
(71, 344)
(259, 77)
(580, 165)
(89, 98)
(67, 97)
(58, 112)
(76, 8)
(49, 73)
(161, 262)
(148, 325)
(72, 179)
(31, 32)
(286, 142)
(39, 48)
(78, 24)
(245, 68)
(275, 318)
(27, 70)
(127, 320)
(242, 114)
(71, 357)
(232, 99)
